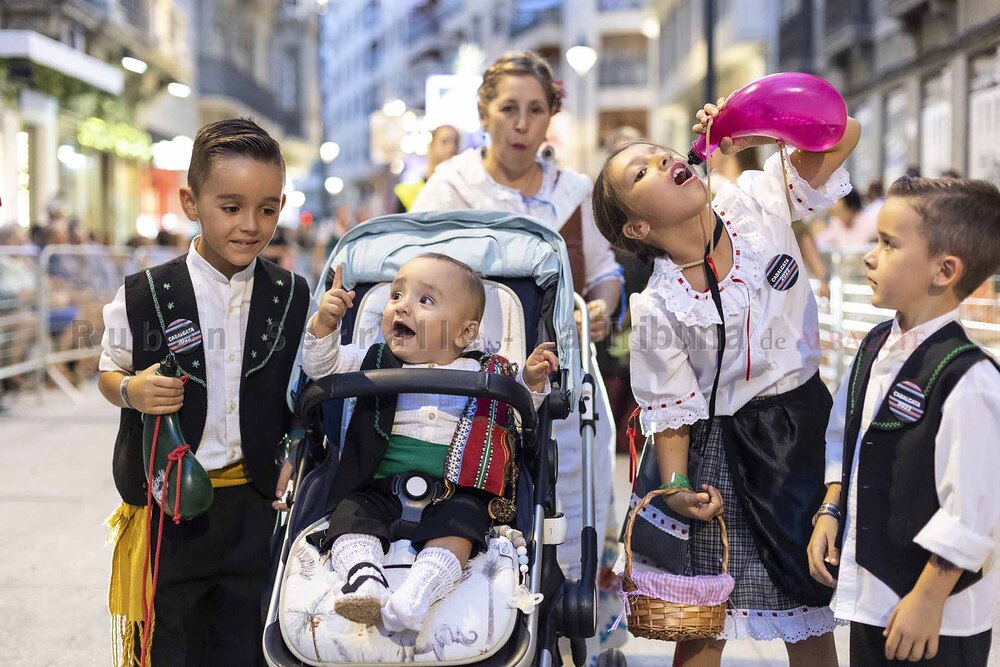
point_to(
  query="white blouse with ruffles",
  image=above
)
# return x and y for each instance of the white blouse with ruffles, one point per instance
(463, 182)
(673, 349)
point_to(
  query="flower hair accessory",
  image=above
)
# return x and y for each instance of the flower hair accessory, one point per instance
(560, 91)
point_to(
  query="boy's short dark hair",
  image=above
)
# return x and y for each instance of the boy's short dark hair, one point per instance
(473, 282)
(233, 137)
(957, 217)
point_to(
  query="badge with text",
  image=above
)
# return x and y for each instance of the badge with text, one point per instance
(906, 402)
(183, 336)
(782, 272)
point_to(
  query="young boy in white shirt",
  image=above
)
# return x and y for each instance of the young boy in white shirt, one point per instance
(912, 457)
(231, 321)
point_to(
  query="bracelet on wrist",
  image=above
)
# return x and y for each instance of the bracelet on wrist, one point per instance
(123, 390)
(827, 509)
(677, 481)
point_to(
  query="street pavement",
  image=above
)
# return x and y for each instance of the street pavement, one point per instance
(55, 492)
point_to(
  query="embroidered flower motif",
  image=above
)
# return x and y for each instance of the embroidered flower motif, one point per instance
(196, 363)
(270, 321)
(253, 354)
(263, 337)
(170, 306)
(279, 283)
(166, 285)
(276, 299)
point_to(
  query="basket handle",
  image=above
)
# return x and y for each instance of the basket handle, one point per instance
(627, 583)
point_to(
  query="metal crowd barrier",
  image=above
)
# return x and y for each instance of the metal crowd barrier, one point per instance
(51, 301)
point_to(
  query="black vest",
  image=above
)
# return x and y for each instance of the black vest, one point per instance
(897, 490)
(161, 296)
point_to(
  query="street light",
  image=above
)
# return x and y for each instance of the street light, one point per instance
(328, 151)
(581, 58)
(650, 26)
(178, 89)
(334, 185)
(134, 64)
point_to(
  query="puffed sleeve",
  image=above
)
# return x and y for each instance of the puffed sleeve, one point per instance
(116, 343)
(600, 261)
(663, 382)
(438, 194)
(768, 188)
(966, 465)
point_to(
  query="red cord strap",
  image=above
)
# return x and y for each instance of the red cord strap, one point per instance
(174, 457)
(633, 459)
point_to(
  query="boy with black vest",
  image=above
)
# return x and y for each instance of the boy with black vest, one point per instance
(459, 445)
(912, 456)
(232, 321)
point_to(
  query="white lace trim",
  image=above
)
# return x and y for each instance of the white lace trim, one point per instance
(790, 625)
(682, 412)
(806, 199)
(694, 308)
(658, 519)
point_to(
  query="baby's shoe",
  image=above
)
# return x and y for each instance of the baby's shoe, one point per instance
(434, 574)
(357, 559)
(363, 595)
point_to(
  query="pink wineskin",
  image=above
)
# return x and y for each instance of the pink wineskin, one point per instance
(800, 109)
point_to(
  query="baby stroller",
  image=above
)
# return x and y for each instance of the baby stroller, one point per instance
(514, 603)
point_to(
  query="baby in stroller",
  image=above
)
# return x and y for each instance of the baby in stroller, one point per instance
(460, 446)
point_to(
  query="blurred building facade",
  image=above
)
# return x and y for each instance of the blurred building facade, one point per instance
(922, 76)
(745, 39)
(81, 132)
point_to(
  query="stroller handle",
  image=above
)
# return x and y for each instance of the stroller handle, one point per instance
(425, 381)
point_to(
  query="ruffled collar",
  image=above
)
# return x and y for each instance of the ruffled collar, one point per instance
(694, 308)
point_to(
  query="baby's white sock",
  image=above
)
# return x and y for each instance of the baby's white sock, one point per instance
(434, 574)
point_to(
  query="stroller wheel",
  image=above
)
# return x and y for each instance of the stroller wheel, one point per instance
(611, 658)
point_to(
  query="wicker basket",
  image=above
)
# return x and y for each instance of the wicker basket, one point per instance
(653, 618)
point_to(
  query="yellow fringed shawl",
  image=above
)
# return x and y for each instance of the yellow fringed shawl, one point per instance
(128, 533)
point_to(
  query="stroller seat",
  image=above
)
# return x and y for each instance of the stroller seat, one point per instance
(470, 624)
(513, 602)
